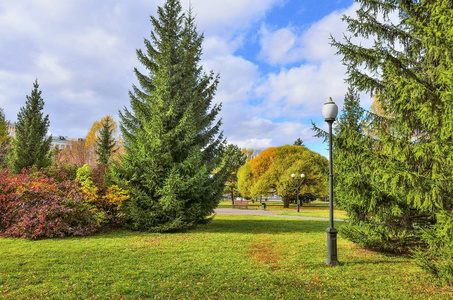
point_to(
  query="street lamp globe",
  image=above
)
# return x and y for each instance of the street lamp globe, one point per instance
(302, 176)
(329, 110)
(293, 176)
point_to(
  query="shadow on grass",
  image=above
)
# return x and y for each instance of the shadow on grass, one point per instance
(257, 225)
(374, 262)
(246, 224)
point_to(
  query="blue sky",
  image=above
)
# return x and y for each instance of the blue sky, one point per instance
(274, 59)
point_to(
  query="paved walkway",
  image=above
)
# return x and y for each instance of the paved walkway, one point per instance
(269, 213)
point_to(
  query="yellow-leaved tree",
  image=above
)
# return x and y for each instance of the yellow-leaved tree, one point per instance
(270, 172)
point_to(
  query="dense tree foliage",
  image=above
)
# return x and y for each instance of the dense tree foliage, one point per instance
(172, 140)
(398, 185)
(233, 159)
(271, 171)
(106, 141)
(31, 145)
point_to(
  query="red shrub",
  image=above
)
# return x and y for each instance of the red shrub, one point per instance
(34, 206)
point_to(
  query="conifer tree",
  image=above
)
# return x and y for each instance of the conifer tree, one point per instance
(105, 142)
(409, 157)
(299, 142)
(233, 159)
(5, 141)
(172, 139)
(359, 191)
(3, 126)
(31, 145)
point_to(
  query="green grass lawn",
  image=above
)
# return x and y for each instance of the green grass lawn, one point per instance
(313, 209)
(233, 257)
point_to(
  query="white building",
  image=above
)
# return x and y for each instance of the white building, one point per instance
(11, 129)
(60, 142)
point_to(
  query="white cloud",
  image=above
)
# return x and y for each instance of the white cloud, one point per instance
(83, 53)
(279, 47)
(246, 130)
(11, 84)
(51, 70)
(253, 143)
(283, 46)
(237, 77)
(227, 17)
(302, 89)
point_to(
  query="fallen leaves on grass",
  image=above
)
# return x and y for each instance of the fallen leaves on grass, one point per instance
(265, 251)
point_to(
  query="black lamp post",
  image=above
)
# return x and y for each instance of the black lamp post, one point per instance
(298, 180)
(329, 112)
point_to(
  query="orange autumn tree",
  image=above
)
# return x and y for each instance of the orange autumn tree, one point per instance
(262, 162)
(76, 153)
(271, 172)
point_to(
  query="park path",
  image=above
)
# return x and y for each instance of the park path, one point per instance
(269, 213)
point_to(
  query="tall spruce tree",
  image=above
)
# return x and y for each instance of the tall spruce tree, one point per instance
(172, 139)
(408, 159)
(5, 141)
(105, 142)
(3, 126)
(31, 145)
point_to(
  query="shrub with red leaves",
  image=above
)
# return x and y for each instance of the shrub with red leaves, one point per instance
(34, 206)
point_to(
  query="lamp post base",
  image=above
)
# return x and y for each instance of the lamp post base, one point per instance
(297, 207)
(332, 258)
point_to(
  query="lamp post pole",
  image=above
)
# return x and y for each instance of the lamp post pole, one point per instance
(297, 195)
(330, 111)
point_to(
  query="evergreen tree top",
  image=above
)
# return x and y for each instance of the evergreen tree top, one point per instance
(33, 107)
(31, 145)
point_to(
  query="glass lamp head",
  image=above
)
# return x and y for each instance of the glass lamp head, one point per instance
(329, 110)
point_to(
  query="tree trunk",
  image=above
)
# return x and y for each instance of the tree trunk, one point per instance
(285, 201)
(232, 196)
